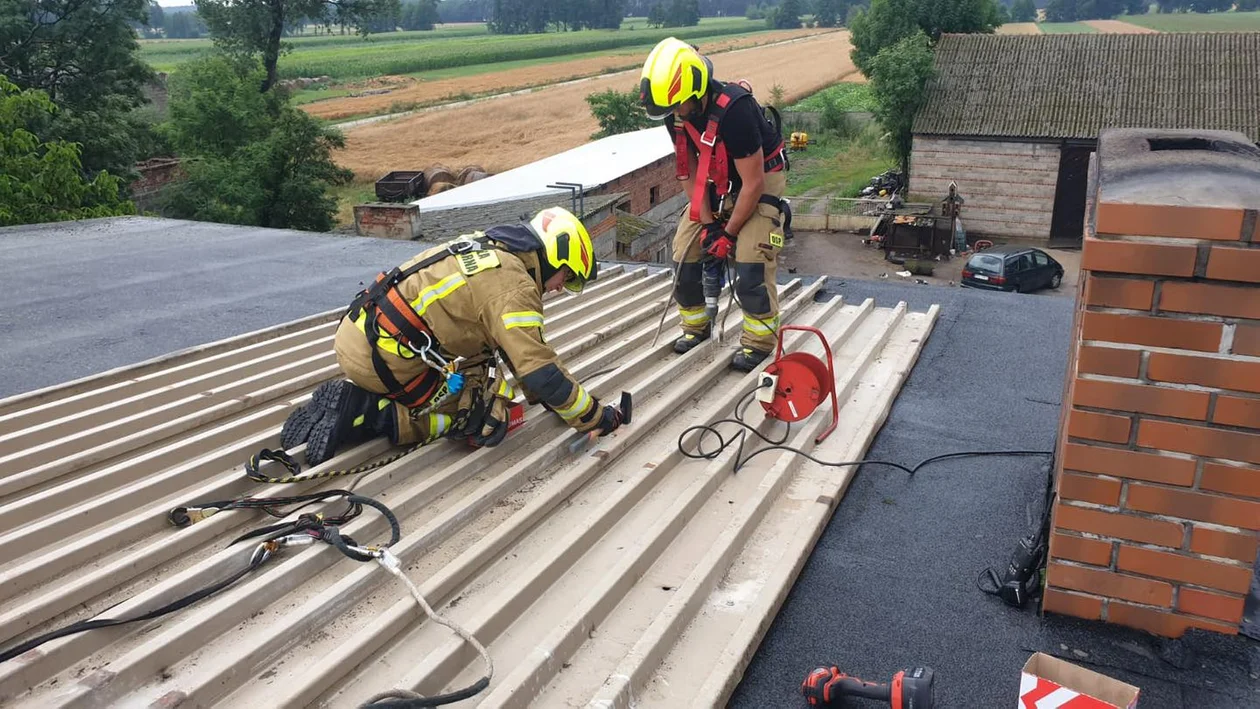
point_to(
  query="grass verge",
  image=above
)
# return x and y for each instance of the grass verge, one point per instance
(838, 166)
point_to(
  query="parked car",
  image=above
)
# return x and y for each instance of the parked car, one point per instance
(1021, 269)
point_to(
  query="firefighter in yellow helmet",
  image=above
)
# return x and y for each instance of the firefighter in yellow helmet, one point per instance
(421, 346)
(732, 162)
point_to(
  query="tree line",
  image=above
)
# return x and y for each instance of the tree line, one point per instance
(534, 16)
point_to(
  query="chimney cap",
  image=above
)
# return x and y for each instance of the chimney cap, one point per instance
(1202, 168)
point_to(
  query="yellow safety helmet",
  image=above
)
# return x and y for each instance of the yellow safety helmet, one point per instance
(566, 243)
(673, 73)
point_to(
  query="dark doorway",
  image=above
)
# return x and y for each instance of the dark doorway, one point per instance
(1067, 226)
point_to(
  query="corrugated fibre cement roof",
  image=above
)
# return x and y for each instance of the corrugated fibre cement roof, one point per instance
(618, 575)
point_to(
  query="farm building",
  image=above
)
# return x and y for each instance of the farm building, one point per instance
(1014, 120)
(623, 185)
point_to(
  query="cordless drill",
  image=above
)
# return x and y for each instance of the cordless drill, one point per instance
(909, 689)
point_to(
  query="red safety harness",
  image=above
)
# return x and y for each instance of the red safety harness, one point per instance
(713, 165)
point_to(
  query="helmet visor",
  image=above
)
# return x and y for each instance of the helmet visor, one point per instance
(575, 283)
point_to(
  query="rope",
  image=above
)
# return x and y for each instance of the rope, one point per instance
(405, 698)
(295, 468)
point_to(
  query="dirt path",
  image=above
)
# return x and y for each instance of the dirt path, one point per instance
(1018, 28)
(508, 132)
(1117, 27)
(409, 90)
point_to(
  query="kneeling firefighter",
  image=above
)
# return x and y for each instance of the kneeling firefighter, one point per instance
(732, 162)
(421, 345)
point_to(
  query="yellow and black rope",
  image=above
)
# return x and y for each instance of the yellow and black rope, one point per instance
(295, 469)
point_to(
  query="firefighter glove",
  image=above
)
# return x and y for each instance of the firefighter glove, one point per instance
(609, 420)
(494, 425)
(717, 242)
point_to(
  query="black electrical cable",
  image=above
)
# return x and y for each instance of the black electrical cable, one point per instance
(315, 526)
(259, 556)
(746, 428)
(402, 699)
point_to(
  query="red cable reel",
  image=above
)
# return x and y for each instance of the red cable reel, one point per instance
(795, 384)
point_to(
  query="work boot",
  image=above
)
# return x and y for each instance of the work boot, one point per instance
(690, 340)
(747, 359)
(339, 414)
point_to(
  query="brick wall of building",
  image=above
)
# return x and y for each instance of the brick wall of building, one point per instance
(640, 184)
(155, 176)
(1157, 517)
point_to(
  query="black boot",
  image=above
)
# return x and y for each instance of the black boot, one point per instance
(689, 341)
(748, 359)
(339, 414)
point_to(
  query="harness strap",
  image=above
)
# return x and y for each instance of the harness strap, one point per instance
(387, 310)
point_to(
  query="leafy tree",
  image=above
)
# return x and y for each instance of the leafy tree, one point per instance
(828, 12)
(1061, 11)
(419, 15)
(682, 13)
(251, 157)
(1241, 6)
(1141, 7)
(617, 112)
(787, 16)
(42, 181)
(887, 22)
(899, 76)
(656, 16)
(83, 55)
(252, 28)
(1023, 11)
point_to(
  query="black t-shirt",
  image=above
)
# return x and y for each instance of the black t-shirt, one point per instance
(743, 129)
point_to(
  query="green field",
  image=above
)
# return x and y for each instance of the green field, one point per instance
(1065, 28)
(848, 97)
(1198, 22)
(351, 57)
(837, 166)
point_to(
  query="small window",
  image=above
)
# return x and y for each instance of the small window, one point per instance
(654, 194)
(1041, 259)
(1023, 263)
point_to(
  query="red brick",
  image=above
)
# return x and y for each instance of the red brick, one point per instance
(1112, 361)
(1121, 293)
(1210, 299)
(1089, 488)
(1133, 257)
(1073, 604)
(1231, 479)
(1141, 398)
(1152, 331)
(1231, 264)
(1227, 545)
(1167, 220)
(1204, 371)
(1099, 427)
(1187, 569)
(1247, 340)
(1207, 442)
(1159, 622)
(1110, 584)
(1118, 525)
(1210, 605)
(1237, 411)
(1086, 551)
(1188, 504)
(1128, 464)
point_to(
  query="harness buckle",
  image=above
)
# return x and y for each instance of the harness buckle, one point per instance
(710, 142)
(462, 246)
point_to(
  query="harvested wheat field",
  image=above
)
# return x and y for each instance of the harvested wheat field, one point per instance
(1018, 28)
(508, 132)
(1117, 27)
(409, 90)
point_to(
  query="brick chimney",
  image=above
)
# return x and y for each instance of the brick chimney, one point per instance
(1157, 516)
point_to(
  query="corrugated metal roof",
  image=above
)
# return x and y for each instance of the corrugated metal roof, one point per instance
(623, 574)
(592, 165)
(449, 223)
(1076, 85)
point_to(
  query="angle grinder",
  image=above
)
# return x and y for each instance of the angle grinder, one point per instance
(909, 689)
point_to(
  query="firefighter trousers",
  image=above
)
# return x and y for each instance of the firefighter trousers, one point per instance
(425, 423)
(756, 260)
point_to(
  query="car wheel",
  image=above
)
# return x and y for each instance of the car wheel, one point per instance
(1057, 280)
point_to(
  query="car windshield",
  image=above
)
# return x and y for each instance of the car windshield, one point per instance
(987, 263)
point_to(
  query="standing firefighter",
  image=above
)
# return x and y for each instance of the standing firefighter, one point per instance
(420, 344)
(733, 165)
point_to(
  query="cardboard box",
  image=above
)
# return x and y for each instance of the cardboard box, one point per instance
(1048, 683)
